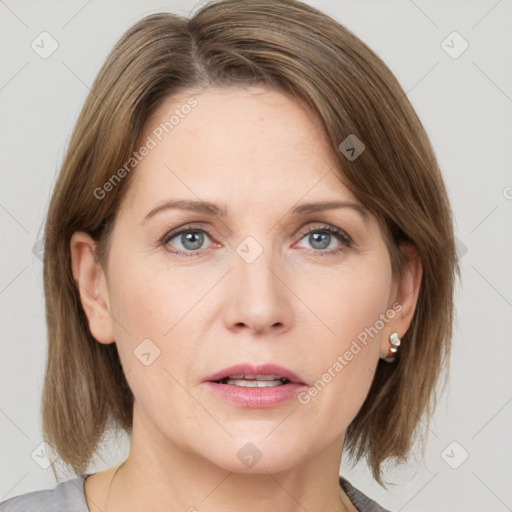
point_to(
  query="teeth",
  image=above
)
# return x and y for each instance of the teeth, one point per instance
(256, 377)
(254, 381)
(266, 383)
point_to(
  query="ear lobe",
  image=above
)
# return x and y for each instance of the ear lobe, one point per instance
(92, 287)
(406, 294)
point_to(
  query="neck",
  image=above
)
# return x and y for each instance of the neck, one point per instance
(272, 493)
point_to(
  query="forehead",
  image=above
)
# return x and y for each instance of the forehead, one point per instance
(249, 146)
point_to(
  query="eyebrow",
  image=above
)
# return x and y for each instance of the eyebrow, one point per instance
(220, 211)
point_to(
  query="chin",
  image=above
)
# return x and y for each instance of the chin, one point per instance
(258, 455)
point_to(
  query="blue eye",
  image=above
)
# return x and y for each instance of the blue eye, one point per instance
(320, 237)
(191, 238)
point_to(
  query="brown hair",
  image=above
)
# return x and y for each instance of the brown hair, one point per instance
(296, 49)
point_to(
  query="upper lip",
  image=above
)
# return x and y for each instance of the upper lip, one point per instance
(249, 369)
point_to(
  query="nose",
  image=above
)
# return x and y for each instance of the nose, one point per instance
(259, 299)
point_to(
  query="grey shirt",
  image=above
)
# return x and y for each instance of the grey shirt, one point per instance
(69, 497)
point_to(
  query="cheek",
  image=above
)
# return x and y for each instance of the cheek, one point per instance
(158, 318)
(149, 301)
(354, 300)
(154, 318)
(352, 307)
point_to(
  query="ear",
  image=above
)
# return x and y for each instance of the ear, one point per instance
(91, 283)
(404, 296)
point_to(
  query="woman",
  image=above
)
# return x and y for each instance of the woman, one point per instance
(249, 267)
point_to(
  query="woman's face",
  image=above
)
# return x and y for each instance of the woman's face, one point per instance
(259, 285)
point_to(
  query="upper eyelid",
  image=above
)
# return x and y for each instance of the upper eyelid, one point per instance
(200, 225)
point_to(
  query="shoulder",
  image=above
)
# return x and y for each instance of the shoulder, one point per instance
(360, 500)
(66, 496)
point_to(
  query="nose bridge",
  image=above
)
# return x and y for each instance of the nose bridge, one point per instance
(255, 262)
(260, 297)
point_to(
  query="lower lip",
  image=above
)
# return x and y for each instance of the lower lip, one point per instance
(257, 398)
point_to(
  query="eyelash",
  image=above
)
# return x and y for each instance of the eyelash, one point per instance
(338, 233)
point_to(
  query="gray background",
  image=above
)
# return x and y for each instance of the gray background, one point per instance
(465, 104)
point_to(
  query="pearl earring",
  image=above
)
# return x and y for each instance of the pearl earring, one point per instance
(395, 343)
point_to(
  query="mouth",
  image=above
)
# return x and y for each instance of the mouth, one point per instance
(254, 381)
(249, 376)
(256, 387)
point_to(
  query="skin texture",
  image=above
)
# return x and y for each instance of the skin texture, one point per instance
(260, 153)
